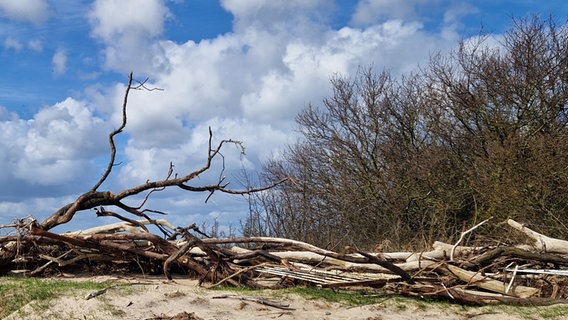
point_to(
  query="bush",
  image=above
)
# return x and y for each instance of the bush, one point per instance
(477, 133)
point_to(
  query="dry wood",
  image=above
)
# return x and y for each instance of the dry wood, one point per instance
(306, 246)
(308, 257)
(442, 251)
(478, 280)
(478, 297)
(489, 256)
(462, 236)
(541, 242)
(295, 261)
(468, 296)
(174, 257)
(121, 227)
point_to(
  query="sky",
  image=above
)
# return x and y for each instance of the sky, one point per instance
(245, 68)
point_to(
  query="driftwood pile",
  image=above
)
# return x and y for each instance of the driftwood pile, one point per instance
(523, 274)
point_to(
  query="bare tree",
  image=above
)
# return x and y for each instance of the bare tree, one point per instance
(477, 133)
(31, 234)
(98, 199)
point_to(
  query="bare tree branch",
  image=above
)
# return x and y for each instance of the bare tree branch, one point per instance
(111, 137)
(99, 199)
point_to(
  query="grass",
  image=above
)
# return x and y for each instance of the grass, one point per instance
(17, 292)
(361, 298)
(556, 312)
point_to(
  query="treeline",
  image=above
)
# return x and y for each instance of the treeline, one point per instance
(478, 133)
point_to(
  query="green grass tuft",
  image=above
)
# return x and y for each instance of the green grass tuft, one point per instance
(352, 298)
(17, 292)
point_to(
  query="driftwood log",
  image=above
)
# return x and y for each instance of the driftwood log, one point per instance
(541, 242)
(480, 275)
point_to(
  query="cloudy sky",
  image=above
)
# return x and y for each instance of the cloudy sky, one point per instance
(243, 67)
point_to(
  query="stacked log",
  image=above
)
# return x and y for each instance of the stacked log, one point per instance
(513, 274)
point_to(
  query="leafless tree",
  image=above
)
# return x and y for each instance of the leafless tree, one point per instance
(99, 199)
(477, 133)
(34, 237)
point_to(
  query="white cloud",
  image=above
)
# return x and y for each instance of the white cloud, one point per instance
(13, 44)
(59, 62)
(452, 19)
(369, 12)
(35, 11)
(53, 148)
(16, 45)
(276, 14)
(113, 19)
(21, 209)
(126, 27)
(6, 115)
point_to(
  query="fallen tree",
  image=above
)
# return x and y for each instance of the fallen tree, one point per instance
(513, 274)
(27, 231)
(531, 273)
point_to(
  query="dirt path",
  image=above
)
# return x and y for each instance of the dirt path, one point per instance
(155, 298)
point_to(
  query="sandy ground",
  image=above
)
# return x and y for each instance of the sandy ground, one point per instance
(151, 298)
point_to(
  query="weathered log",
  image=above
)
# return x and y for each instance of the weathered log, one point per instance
(306, 246)
(478, 297)
(108, 247)
(315, 258)
(312, 258)
(488, 257)
(174, 257)
(475, 297)
(442, 251)
(478, 280)
(101, 243)
(541, 242)
(120, 227)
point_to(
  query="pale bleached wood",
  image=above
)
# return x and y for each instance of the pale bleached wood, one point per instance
(541, 242)
(308, 257)
(442, 252)
(463, 235)
(478, 280)
(120, 227)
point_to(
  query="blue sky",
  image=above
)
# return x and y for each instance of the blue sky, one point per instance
(243, 67)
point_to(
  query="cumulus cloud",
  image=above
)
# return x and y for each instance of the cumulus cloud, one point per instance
(59, 62)
(126, 28)
(53, 148)
(6, 114)
(19, 209)
(35, 11)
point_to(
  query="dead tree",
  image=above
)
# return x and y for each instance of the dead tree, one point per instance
(103, 201)
(98, 199)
